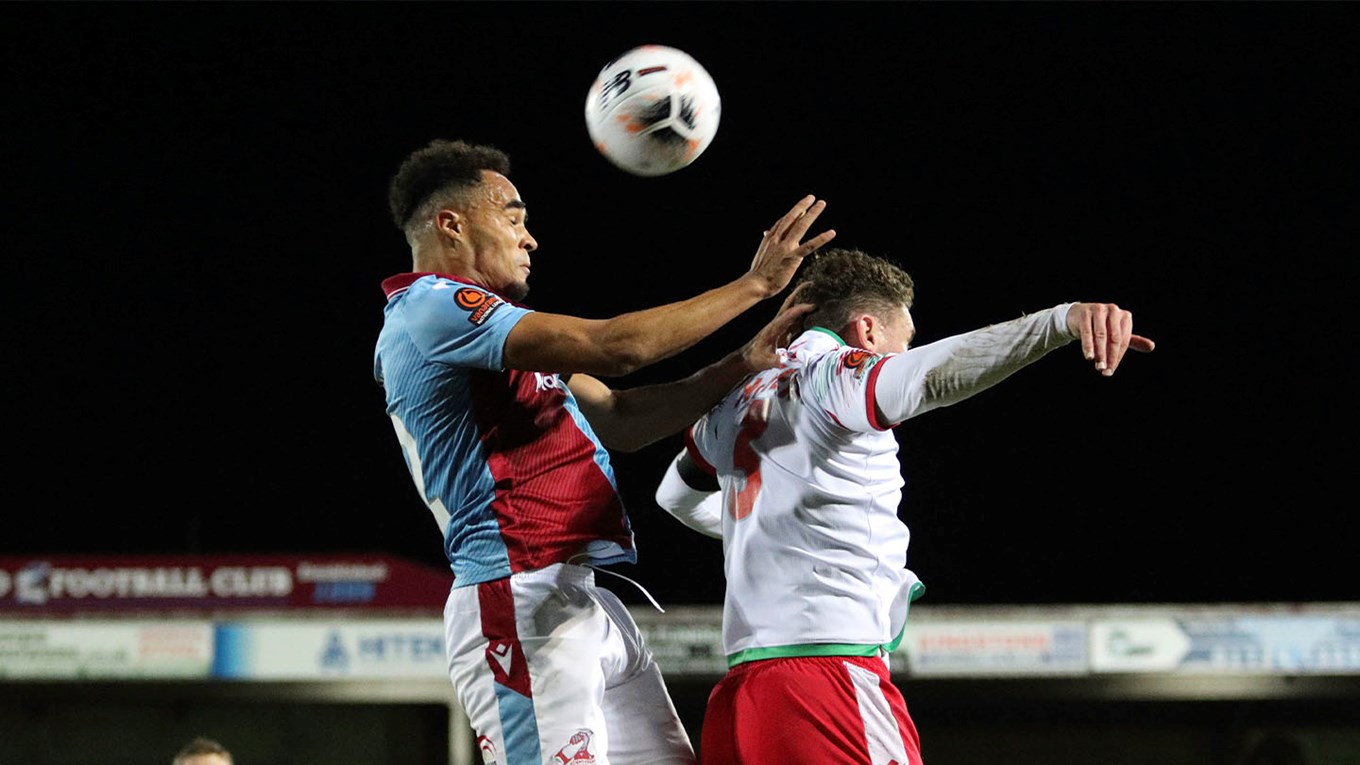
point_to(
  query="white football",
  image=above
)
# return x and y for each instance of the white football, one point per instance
(653, 110)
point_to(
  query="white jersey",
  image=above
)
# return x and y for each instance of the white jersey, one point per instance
(815, 554)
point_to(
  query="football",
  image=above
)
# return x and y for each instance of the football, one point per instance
(653, 110)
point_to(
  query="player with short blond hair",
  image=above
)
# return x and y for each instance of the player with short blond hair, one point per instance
(797, 471)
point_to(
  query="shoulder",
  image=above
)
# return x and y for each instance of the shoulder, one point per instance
(444, 295)
(842, 362)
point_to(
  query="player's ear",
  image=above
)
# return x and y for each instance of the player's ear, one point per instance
(449, 223)
(863, 331)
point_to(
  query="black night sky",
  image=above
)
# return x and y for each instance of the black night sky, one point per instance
(195, 230)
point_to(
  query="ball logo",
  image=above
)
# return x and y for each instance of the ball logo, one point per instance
(479, 304)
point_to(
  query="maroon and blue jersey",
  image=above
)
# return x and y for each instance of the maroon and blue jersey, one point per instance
(515, 476)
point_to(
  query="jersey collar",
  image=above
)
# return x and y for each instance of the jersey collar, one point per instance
(813, 341)
(824, 330)
(394, 284)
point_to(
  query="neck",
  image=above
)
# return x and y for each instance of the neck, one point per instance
(440, 261)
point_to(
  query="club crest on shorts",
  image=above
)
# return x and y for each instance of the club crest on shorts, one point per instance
(477, 303)
(577, 749)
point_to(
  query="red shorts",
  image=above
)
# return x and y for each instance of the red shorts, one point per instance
(822, 710)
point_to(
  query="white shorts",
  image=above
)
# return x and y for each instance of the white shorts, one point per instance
(552, 669)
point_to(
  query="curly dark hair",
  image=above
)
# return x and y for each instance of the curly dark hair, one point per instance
(439, 172)
(842, 282)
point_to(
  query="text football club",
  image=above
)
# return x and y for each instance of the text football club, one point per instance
(105, 583)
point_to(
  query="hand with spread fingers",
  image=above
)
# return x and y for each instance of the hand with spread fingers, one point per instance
(782, 248)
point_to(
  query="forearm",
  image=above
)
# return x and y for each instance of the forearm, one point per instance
(698, 508)
(950, 370)
(623, 344)
(648, 336)
(640, 416)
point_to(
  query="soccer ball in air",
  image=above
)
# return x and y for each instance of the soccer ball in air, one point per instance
(653, 110)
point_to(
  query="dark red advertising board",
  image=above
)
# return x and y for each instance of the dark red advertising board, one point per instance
(69, 584)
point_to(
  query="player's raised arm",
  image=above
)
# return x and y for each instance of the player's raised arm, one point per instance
(625, 343)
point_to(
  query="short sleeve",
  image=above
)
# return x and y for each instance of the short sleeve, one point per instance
(459, 324)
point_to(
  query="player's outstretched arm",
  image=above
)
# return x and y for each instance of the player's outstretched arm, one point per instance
(950, 370)
(618, 346)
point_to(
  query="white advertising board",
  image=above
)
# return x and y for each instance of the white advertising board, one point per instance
(31, 650)
(993, 648)
(1269, 644)
(369, 649)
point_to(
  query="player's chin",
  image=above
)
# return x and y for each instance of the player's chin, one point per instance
(517, 290)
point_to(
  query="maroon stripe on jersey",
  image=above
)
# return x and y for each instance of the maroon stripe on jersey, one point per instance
(552, 499)
(504, 654)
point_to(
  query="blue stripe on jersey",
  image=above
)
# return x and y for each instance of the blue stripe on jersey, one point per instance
(496, 460)
(427, 352)
(519, 725)
(601, 456)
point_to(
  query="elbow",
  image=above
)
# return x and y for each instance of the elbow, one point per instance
(624, 440)
(623, 359)
(619, 367)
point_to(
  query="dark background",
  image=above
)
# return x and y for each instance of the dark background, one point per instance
(195, 229)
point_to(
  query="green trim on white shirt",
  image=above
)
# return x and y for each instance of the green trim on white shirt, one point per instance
(829, 332)
(826, 649)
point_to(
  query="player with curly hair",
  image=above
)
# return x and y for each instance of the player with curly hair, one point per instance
(504, 428)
